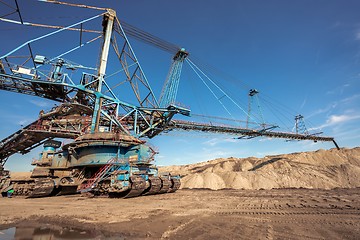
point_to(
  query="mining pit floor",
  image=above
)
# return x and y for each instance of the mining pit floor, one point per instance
(190, 214)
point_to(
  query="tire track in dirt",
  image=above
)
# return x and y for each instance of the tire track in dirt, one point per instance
(168, 233)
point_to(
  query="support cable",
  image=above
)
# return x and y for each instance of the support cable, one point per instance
(271, 103)
(279, 105)
(136, 60)
(22, 22)
(236, 104)
(73, 4)
(7, 5)
(272, 110)
(8, 14)
(48, 26)
(75, 48)
(221, 74)
(222, 104)
(49, 34)
(151, 41)
(149, 38)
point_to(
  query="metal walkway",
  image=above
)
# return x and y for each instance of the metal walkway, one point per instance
(28, 138)
(246, 132)
(65, 121)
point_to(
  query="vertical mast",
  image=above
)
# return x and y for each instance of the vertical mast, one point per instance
(170, 88)
(108, 23)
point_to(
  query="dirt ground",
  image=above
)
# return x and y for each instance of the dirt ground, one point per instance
(197, 214)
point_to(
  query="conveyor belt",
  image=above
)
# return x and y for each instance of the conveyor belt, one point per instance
(241, 132)
(28, 138)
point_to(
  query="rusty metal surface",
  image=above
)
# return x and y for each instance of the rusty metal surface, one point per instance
(138, 186)
(165, 184)
(65, 121)
(67, 190)
(175, 185)
(41, 172)
(43, 188)
(22, 187)
(155, 186)
(67, 185)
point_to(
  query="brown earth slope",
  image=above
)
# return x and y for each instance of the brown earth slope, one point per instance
(325, 169)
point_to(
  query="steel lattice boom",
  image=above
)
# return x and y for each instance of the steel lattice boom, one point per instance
(245, 132)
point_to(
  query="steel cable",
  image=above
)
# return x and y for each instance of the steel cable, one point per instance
(149, 38)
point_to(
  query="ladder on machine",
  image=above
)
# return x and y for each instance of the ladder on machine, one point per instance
(98, 176)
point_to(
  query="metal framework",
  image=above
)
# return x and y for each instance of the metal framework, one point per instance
(253, 96)
(245, 132)
(300, 125)
(90, 104)
(144, 119)
(170, 89)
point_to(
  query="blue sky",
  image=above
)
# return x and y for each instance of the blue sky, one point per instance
(303, 57)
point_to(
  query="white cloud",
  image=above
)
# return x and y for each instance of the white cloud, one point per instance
(211, 142)
(335, 104)
(339, 89)
(334, 120)
(159, 156)
(23, 122)
(351, 137)
(324, 110)
(336, 24)
(350, 99)
(265, 139)
(41, 103)
(353, 133)
(303, 103)
(214, 141)
(357, 35)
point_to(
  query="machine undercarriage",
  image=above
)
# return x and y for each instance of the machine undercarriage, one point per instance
(101, 164)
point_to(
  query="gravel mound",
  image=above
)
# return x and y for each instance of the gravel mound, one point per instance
(324, 169)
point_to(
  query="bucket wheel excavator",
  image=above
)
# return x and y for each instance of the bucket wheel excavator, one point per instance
(108, 155)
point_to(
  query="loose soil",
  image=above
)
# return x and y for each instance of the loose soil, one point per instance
(197, 214)
(324, 169)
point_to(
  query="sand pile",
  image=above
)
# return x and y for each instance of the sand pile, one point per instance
(20, 175)
(321, 169)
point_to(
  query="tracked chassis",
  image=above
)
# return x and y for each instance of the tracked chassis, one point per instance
(101, 164)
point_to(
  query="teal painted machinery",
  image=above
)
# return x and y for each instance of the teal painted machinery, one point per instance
(109, 164)
(107, 115)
